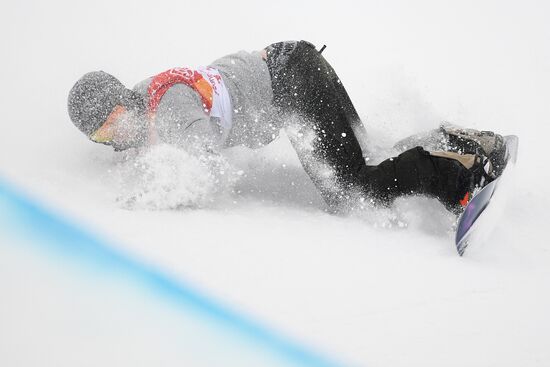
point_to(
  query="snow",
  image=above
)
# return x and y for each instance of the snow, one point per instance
(361, 288)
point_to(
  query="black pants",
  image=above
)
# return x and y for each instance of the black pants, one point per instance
(323, 119)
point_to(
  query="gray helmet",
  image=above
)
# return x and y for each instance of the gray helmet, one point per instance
(93, 98)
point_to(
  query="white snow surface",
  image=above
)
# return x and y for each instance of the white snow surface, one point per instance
(375, 288)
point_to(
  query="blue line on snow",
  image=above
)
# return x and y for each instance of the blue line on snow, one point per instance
(62, 235)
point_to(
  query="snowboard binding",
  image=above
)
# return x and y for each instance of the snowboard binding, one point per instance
(487, 145)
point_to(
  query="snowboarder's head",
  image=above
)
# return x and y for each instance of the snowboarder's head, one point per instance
(99, 106)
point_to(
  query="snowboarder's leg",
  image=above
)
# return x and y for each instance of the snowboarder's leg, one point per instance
(321, 117)
(278, 59)
(305, 85)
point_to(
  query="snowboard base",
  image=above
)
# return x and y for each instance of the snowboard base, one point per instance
(466, 227)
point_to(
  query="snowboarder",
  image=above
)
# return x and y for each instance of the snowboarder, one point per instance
(246, 98)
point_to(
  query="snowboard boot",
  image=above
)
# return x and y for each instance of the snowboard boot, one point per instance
(450, 177)
(451, 138)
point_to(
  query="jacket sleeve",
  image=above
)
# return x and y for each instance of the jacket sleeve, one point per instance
(181, 120)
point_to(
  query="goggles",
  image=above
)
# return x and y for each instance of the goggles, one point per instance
(106, 132)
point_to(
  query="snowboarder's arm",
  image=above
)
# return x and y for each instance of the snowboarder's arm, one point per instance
(181, 120)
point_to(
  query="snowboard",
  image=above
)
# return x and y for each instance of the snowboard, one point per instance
(474, 209)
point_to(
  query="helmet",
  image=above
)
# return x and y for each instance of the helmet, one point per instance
(93, 98)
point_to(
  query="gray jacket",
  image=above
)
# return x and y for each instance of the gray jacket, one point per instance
(181, 120)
